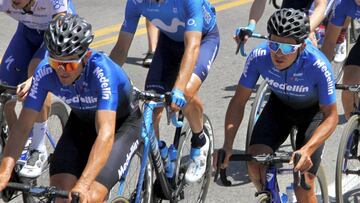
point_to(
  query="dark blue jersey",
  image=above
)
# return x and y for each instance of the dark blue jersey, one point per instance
(172, 17)
(343, 9)
(102, 85)
(309, 80)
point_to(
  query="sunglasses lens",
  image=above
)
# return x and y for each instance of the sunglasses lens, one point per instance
(68, 67)
(285, 48)
(274, 46)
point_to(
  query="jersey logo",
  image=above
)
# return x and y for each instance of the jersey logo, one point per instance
(9, 61)
(35, 83)
(57, 4)
(287, 87)
(104, 83)
(122, 168)
(328, 75)
(172, 28)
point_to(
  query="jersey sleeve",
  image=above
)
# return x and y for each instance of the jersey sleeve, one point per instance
(132, 17)
(325, 82)
(250, 75)
(107, 87)
(39, 87)
(339, 14)
(194, 15)
(58, 6)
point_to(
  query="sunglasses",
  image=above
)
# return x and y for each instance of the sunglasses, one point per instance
(66, 65)
(285, 48)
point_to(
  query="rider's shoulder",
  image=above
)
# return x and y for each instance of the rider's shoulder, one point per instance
(315, 58)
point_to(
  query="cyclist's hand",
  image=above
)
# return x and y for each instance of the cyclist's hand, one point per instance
(304, 163)
(177, 99)
(5, 176)
(225, 164)
(242, 34)
(83, 191)
(23, 89)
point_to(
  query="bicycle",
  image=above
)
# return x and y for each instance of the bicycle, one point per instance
(175, 188)
(348, 158)
(58, 116)
(274, 166)
(45, 194)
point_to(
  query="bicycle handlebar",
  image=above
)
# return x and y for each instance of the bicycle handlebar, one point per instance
(42, 191)
(241, 44)
(274, 3)
(265, 159)
(351, 88)
(165, 98)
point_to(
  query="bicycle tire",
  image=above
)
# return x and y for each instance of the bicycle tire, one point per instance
(351, 126)
(129, 194)
(255, 111)
(183, 161)
(322, 181)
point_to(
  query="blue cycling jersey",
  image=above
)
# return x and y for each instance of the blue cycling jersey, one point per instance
(103, 85)
(309, 80)
(345, 8)
(172, 17)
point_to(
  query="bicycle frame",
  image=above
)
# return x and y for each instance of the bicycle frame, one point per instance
(271, 184)
(151, 146)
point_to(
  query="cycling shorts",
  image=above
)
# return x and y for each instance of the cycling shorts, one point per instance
(276, 121)
(354, 54)
(73, 149)
(165, 65)
(25, 44)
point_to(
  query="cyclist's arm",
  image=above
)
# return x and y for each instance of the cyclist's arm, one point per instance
(234, 115)
(324, 130)
(331, 36)
(318, 15)
(188, 62)
(16, 142)
(120, 51)
(100, 151)
(256, 11)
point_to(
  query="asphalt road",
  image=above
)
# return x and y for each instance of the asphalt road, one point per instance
(217, 90)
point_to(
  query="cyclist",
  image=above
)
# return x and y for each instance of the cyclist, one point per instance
(23, 54)
(258, 7)
(344, 10)
(187, 46)
(104, 124)
(302, 95)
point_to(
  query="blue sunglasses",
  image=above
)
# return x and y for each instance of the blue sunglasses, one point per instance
(284, 47)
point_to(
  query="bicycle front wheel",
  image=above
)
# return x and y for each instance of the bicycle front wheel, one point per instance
(194, 192)
(261, 97)
(126, 192)
(321, 190)
(347, 163)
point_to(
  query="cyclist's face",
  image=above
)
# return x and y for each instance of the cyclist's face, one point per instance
(280, 60)
(67, 77)
(357, 2)
(19, 4)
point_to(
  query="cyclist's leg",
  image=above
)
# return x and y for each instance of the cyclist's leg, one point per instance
(194, 108)
(13, 69)
(308, 124)
(351, 76)
(163, 71)
(126, 142)
(270, 131)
